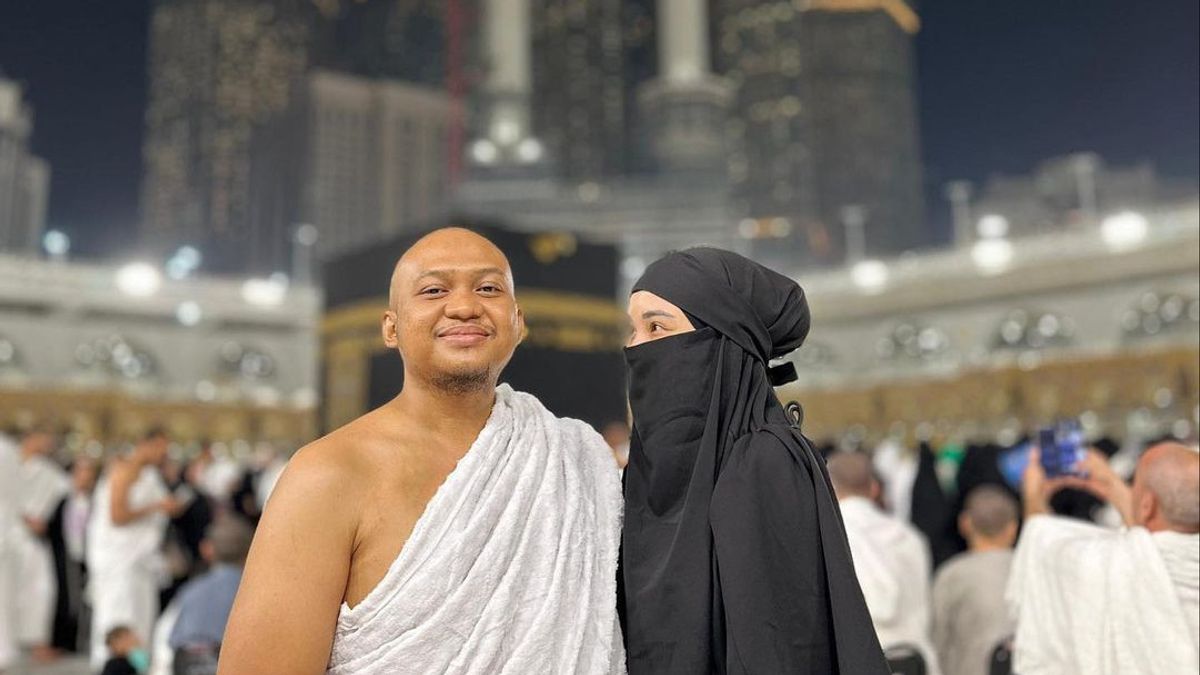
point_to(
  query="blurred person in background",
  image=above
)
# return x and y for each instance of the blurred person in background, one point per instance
(10, 520)
(68, 534)
(125, 653)
(969, 615)
(891, 557)
(186, 528)
(1089, 599)
(219, 473)
(270, 463)
(125, 534)
(197, 514)
(734, 559)
(42, 484)
(204, 603)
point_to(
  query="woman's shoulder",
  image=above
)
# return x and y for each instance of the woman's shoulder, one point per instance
(774, 451)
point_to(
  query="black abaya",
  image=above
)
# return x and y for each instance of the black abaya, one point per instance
(734, 556)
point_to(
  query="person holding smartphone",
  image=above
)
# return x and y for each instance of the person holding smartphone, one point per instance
(1089, 599)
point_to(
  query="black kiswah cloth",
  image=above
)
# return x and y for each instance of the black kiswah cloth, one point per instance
(734, 556)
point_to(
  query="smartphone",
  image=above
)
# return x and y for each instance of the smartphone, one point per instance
(1062, 448)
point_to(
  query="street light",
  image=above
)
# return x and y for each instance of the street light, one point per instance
(529, 150)
(268, 292)
(958, 193)
(56, 243)
(185, 261)
(138, 279)
(992, 226)
(189, 313)
(992, 256)
(1125, 230)
(484, 152)
(871, 276)
(304, 238)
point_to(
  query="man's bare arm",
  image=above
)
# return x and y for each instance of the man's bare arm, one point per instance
(124, 475)
(286, 610)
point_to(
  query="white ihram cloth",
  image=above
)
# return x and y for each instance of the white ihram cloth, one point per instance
(512, 566)
(893, 565)
(1092, 600)
(42, 486)
(10, 520)
(124, 562)
(897, 468)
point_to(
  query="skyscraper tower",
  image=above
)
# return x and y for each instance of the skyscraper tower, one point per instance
(24, 178)
(824, 120)
(219, 69)
(859, 76)
(579, 103)
(403, 40)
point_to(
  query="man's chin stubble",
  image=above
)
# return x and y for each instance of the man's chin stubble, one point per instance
(463, 382)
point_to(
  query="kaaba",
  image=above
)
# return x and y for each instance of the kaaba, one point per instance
(570, 359)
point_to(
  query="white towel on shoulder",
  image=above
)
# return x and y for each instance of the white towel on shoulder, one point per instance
(512, 566)
(1096, 601)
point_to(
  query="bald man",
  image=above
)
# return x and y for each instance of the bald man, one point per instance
(458, 528)
(969, 615)
(1092, 600)
(891, 558)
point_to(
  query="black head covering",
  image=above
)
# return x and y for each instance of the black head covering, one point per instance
(734, 556)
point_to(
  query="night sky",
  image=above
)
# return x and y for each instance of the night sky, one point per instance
(1003, 84)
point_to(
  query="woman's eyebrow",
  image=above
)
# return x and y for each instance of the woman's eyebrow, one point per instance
(657, 313)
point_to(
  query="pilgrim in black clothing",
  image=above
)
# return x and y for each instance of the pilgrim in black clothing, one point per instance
(734, 555)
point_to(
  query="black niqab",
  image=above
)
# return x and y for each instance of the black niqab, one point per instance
(734, 555)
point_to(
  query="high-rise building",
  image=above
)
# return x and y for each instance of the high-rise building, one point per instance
(579, 88)
(640, 30)
(401, 40)
(361, 159)
(24, 178)
(219, 69)
(859, 73)
(824, 132)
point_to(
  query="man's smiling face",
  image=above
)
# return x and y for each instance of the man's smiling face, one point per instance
(453, 314)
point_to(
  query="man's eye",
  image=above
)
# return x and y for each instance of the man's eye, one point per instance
(490, 288)
(432, 291)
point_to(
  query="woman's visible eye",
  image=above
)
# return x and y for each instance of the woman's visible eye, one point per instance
(656, 326)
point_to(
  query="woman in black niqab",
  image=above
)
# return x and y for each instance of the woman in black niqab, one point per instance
(734, 557)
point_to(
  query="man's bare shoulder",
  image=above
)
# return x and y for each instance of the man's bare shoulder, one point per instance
(344, 458)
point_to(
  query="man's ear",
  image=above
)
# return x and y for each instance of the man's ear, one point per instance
(388, 328)
(964, 526)
(522, 329)
(1010, 533)
(1146, 508)
(207, 551)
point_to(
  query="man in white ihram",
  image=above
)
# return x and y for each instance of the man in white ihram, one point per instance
(10, 520)
(459, 528)
(41, 485)
(125, 533)
(1100, 601)
(891, 558)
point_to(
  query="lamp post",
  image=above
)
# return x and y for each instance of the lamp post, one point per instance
(304, 240)
(958, 193)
